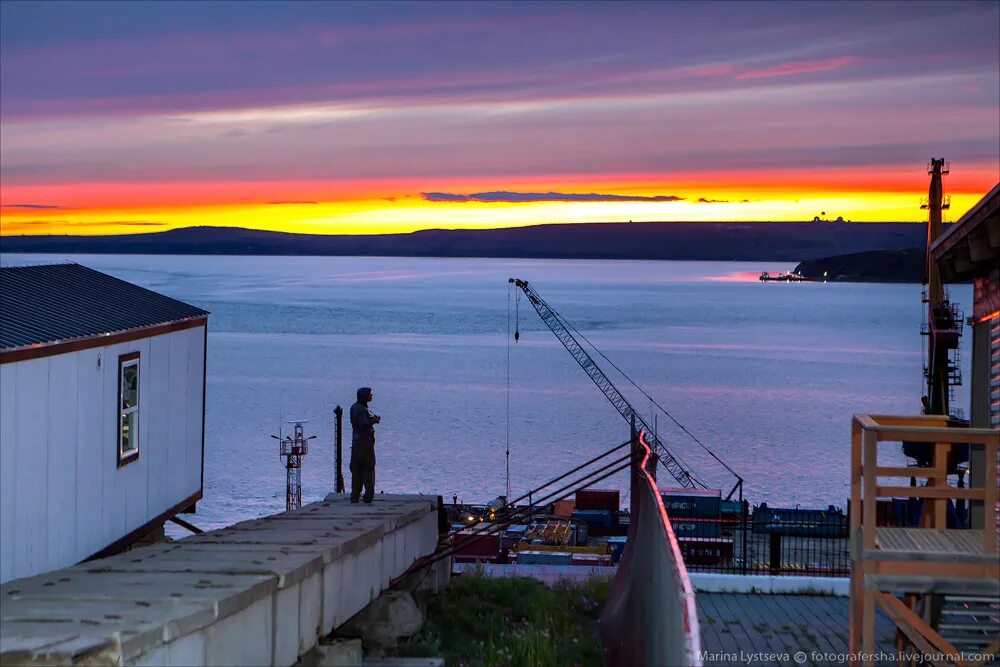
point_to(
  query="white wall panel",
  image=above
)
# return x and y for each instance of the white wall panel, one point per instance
(8, 464)
(62, 495)
(62, 453)
(177, 416)
(196, 356)
(114, 496)
(31, 440)
(156, 410)
(92, 451)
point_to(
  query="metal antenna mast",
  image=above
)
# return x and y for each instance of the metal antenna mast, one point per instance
(292, 448)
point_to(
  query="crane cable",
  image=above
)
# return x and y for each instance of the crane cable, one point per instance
(676, 456)
(651, 400)
(508, 392)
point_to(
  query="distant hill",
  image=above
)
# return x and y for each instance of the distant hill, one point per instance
(753, 241)
(883, 266)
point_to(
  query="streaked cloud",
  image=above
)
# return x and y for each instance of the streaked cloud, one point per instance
(30, 206)
(339, 115)
(799, 67)
(525, 197)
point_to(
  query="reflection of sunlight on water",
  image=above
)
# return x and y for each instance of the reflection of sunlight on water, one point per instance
(737, 277)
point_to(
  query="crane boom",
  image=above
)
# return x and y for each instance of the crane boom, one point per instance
(572, 345)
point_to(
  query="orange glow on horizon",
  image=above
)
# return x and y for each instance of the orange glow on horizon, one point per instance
(396, 206)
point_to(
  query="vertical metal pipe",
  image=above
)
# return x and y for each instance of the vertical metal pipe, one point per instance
(743, 513)
(338, 413)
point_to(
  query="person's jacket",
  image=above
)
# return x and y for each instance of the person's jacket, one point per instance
(362, 425)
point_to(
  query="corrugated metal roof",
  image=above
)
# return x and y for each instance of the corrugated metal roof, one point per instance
(62, 302)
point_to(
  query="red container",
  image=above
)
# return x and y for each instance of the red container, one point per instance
(598, 499)
(564, 507)
(468, 544)
(591, 559)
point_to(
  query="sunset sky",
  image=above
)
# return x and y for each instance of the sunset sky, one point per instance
(386, 117)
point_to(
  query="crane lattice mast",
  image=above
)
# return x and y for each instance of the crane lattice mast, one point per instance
(607, 387)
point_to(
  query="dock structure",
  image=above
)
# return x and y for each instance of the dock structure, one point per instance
(259, 592)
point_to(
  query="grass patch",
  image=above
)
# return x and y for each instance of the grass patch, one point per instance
(497, 622)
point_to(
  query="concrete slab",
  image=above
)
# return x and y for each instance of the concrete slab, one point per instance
(227, 593)
(257, 593)
(336, 542)
(290, 567)
(58, 649)
(100, 617)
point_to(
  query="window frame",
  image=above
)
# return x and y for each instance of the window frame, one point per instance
(124, 361)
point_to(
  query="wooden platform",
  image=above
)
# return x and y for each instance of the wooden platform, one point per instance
(929, 544)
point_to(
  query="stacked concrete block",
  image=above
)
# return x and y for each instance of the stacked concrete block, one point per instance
(258, 592)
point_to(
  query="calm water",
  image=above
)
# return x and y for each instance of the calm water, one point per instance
(767, 374)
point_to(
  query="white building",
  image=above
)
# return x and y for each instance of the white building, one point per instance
(102, 414)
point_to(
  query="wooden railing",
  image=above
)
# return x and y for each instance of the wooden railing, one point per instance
(651, 617)
(894, 567)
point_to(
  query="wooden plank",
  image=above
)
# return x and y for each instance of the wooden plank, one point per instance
(949, 541)
(908, 471)
(868, 623)
(941, 451)
(854, 610)
(921, 434)
(916, 629)
(990, 500)
(928, 492)
(931, 584)
(989, 653)
(930, 421)
(869, 493)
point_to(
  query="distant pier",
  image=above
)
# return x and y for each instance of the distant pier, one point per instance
(261, 591)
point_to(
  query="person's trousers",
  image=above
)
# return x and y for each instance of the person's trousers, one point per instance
(362, 472)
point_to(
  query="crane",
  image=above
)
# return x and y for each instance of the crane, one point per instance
(554, 322)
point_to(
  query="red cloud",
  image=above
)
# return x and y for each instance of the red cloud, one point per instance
(799, 67)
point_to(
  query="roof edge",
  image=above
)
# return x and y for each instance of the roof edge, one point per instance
(50, 349)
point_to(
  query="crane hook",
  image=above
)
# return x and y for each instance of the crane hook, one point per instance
(517, 335)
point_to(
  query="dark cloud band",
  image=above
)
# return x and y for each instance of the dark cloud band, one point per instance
(503, 196)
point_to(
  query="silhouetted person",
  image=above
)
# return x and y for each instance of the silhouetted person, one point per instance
(363, 447)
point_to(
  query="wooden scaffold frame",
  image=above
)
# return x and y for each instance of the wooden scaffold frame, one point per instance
(889, 562)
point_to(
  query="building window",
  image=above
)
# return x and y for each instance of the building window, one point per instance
(128, 408)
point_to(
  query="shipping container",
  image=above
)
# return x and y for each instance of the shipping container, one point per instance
(794, 522)
(602, 518)
(598, 499)
(544, 558)
(732, 509)
(694, 503)
(684, 527)
(512, 536)
(564, 507)
(600, 560)
(471, 542)
(706, 550)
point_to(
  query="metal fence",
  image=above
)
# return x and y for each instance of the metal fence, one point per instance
(766, 541)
